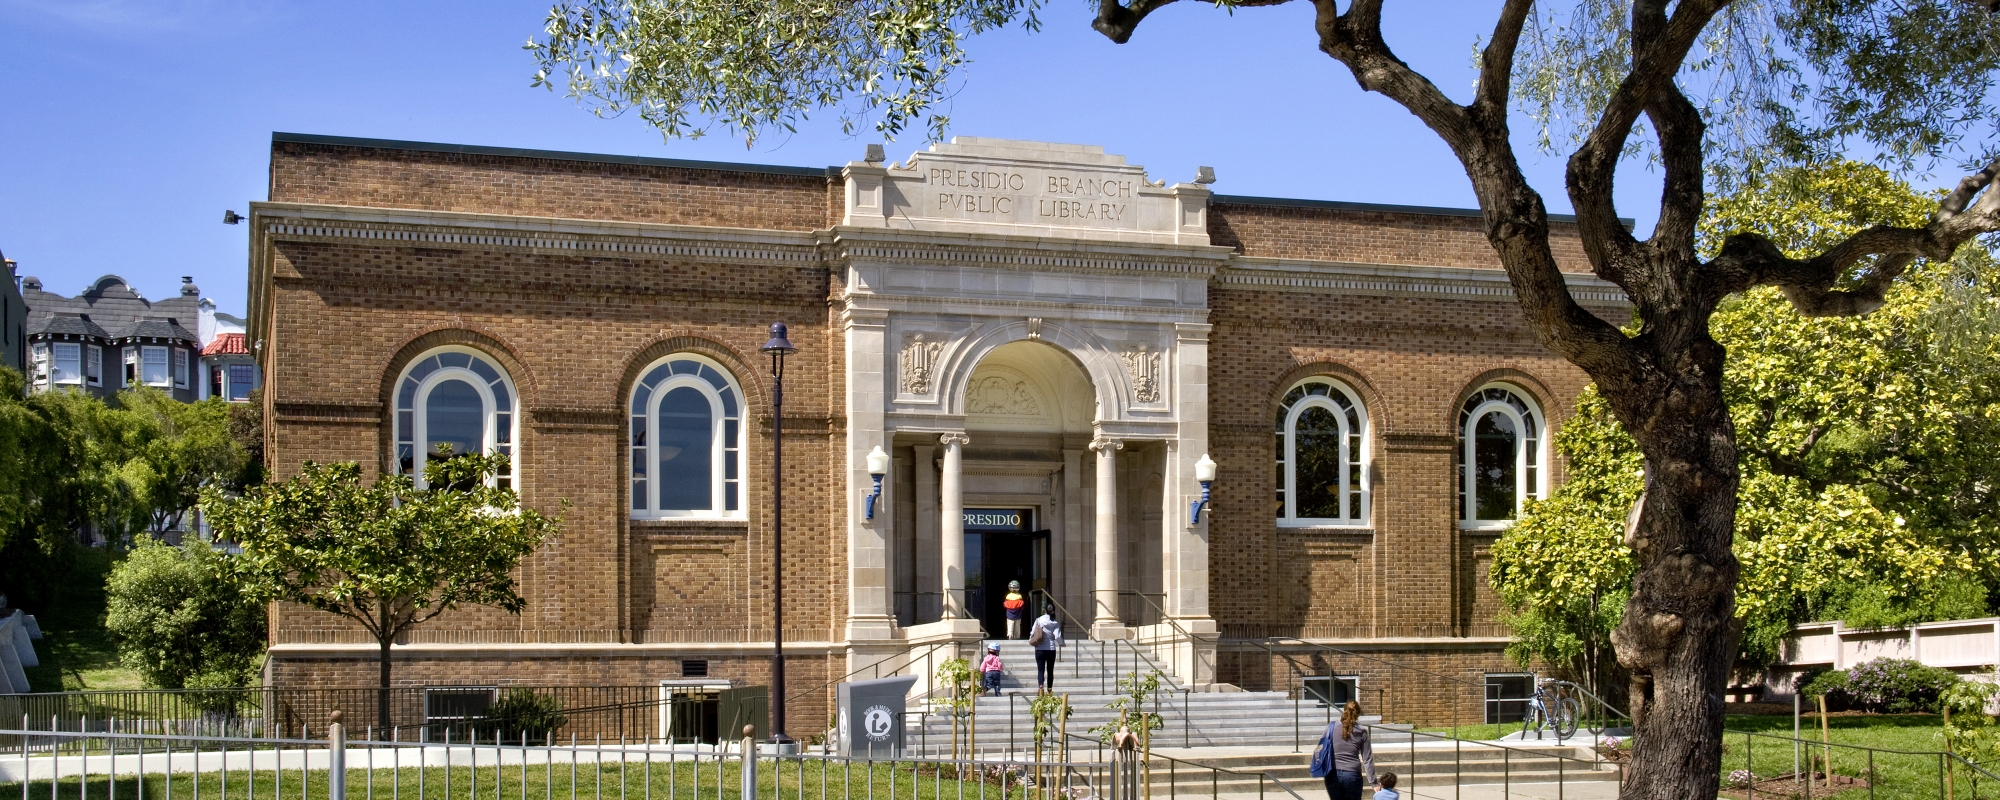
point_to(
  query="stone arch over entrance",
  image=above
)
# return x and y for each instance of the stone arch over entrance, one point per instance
(1095, 358)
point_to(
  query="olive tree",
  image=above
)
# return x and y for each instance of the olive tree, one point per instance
(1783, 80)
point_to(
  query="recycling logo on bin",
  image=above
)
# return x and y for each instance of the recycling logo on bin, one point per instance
(878, 722)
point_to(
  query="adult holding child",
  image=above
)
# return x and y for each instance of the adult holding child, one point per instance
(1345, 757)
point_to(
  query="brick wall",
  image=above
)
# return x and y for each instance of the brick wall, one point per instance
(379, 177)
(1370, 237)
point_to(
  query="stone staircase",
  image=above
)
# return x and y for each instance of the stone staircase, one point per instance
(1088, 673)
(1244, 734)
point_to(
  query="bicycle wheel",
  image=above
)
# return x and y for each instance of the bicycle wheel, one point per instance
(1532, 720)
(1565, 715)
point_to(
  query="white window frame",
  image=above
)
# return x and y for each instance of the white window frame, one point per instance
(130, 377)
(166, 366)
(180, 368)
(93, 365)
(1288, 512)
(490, 427)
(58, 374)
(1530, 452)
(719, 450)
(39, 362)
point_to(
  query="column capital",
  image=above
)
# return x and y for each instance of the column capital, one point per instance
(1101, 445)
(959, 439)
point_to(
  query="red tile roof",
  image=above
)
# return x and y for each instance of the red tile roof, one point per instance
(228, 344)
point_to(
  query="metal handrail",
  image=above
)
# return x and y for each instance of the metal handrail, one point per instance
(892, 673)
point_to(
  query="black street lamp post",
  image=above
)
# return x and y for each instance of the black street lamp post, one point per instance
(778, 347)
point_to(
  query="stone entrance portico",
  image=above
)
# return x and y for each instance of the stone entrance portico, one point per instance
(978, 352)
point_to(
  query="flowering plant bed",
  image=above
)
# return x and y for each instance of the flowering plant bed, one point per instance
(1791, 786)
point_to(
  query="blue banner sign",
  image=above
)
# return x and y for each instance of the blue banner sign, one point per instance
(996, 519)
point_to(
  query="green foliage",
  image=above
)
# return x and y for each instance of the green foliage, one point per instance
(1969, 732)
(174, 450)
(956, 678)
(1134, 690)
(759, 66)
(179, 618)
(1898, 685)
(1049, 711)
(523, 713)
(386, 555)
(1830, 684)
(1866, 492)
(1563, 571)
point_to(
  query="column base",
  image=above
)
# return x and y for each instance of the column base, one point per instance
(864, 629)
(1107, 631)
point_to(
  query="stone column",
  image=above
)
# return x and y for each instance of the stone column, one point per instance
(1106, 624)
(926, 534)
(951, 533)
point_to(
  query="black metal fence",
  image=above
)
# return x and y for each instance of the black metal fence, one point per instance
(636, 713)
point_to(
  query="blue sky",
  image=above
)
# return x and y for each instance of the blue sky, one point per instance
(132, 124)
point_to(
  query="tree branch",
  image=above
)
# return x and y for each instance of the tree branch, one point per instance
(1496, 63)
(1659, 46)
(1119, 21)
(1516, 219)
(1814, 284)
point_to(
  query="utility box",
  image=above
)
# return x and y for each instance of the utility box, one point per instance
(871, 717)
(750, 705)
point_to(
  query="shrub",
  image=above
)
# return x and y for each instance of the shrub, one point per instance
(1898, 685)
(522, 713)
(1830, 684)
(177, 614)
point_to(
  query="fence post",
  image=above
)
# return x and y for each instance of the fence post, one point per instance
(749, 761)
(336, 758)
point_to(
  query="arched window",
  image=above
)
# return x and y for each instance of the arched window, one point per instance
(453, 396)
(1500, 456)
(687, 440)
(1322, 455)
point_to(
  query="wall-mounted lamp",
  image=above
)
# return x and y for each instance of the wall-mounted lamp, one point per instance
(878, 466)
(1204, 473)
(231, 217)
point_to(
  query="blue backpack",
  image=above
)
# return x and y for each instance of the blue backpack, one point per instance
(1322, 763)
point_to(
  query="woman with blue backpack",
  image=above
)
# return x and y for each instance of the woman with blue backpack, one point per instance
(1345, 758)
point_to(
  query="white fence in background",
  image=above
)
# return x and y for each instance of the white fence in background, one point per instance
(1966, 646)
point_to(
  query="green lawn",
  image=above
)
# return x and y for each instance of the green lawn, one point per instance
(587, 780)
(76, 651)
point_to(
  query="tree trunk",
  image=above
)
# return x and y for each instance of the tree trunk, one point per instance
(1679, 636)
(382, 693)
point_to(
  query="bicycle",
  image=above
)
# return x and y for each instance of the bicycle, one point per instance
(1551, 709)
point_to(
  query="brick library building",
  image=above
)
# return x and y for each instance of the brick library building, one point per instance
(1015, 361)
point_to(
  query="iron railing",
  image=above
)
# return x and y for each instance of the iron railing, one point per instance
(104, 766)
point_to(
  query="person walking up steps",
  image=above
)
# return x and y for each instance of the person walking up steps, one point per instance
(1345, 758)
(1045, 637)
(990, 670)
(1017, 609)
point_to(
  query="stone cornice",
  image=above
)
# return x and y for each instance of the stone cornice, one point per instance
(1395, 280)
(542, 235)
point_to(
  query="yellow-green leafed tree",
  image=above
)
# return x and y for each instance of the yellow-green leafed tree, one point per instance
(1864, 493)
